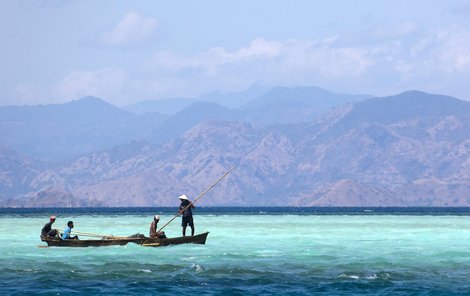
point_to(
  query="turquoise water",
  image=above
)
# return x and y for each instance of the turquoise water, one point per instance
(245, 254)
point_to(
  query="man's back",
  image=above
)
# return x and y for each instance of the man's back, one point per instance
(45, 230)
(153, 229)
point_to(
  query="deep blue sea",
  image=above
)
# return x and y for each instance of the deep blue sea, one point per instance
(249, 251)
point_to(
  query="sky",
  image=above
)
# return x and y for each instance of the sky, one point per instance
(128, 51)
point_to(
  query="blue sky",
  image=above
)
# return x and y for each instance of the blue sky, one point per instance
(128, 51)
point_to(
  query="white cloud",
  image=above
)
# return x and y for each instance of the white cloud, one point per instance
(272, 62)
(265, 56)
(132, 30)
(436, 62)
(453, 51)
(213, 59)
(395, 60)
(399, 30)
(108, 83)
(24, 93)
(435, 59)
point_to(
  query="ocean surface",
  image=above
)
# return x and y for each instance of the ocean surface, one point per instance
(249, 251)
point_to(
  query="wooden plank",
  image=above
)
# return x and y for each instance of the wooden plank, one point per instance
(151, 245)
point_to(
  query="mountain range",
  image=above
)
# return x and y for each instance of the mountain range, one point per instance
(301, 146)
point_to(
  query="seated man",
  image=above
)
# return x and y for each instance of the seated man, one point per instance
(68, 230)
(153, 228)
(47, 230)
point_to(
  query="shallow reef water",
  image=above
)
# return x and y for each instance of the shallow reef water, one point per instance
(256, 252)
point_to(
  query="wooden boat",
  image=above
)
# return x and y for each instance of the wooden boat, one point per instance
(104, 242)
(121, 241)
(163, 242)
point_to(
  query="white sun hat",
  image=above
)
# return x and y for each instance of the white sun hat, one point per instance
(156, 217)
(183, 197)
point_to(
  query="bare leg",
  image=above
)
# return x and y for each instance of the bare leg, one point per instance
(184, 230)
(192, 230)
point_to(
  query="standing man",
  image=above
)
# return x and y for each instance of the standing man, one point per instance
(47, 230)
(68, 230)
(186, 211)
(154, 227)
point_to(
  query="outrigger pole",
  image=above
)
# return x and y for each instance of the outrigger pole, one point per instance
(200, 195)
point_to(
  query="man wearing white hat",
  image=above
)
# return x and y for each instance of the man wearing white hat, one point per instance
(153, 228)
(187, 214)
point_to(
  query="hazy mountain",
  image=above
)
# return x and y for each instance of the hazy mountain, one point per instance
(411, 105)
(411, 149)
(174, 105)
(260, 106)
(61, 132)
(163, 106)
(85, 109)
(235, 99)
(16, 173)
(64, 131)
(283, 105)
(187, 118)
(151, 175)
(314, 96)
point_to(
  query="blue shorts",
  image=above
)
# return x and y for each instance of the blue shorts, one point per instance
(187, 220)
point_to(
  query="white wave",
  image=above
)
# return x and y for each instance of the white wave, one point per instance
(374, 276)
(349, 276)
(197, 267)
(189, 258)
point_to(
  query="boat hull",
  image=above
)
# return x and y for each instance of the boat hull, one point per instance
(163, 242)
(144, 241)
(54, 242)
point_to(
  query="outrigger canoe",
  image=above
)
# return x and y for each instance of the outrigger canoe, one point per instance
(121, 241)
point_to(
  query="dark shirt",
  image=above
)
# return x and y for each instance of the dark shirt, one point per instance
(188, 212)
(45, 230)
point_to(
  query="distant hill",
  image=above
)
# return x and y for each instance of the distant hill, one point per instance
(16, 174)
(284, 105)
(259, 106)
(174, 126)
(63, 131)
(404, 107)
(174, 105)
(85, 109)
(163, 106)
(314, 96)
(410, 149)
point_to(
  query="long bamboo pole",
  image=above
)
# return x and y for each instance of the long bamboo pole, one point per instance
(96, 234)
(200, 195)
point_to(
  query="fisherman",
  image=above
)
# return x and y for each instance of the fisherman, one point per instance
(67, 231)
(47, 230)
(154, 227)
(186, 211)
